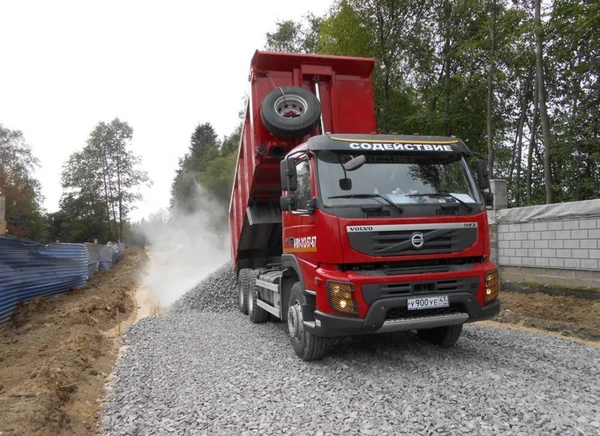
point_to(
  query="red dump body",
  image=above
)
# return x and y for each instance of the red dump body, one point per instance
(347, 106)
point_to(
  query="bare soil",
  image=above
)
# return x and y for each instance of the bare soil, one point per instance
(576, 316)
(57, 353)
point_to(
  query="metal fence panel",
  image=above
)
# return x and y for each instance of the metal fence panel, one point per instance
(93, 258)
(29, 270)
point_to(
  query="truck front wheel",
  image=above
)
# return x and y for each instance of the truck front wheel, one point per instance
(445, 337)
(306, 345)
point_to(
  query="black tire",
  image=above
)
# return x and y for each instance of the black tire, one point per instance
(306, 345)
(445, 337)
(243, 282)
(256, 314)
(290, 112)
(273, 318)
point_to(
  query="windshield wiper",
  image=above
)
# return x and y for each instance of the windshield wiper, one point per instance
(442, 194)
(387, 200)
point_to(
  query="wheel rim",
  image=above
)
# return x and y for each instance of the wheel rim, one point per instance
(290, 106)
(295, 323)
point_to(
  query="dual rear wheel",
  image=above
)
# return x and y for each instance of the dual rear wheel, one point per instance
(247, 296)
(306, 345)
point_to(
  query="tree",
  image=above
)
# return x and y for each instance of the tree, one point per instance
(490, 94)
(204, 147)
(101, 182)
(209, 163)
(294, 36)
(541, 89)
(21, 190)
(573, 58)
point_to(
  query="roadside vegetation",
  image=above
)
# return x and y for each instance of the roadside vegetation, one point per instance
(517, 80)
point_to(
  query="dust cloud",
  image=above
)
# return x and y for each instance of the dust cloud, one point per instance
(184, 248)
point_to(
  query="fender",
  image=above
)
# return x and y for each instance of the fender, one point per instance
(290, 261)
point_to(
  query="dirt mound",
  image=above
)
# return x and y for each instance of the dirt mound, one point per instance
(569, 315)
(57, 353)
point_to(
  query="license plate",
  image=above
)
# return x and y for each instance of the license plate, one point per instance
(428, 303)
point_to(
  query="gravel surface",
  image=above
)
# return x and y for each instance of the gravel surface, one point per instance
(200, 372)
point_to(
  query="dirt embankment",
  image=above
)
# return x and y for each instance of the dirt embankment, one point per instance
(575, 314)
(57, 354)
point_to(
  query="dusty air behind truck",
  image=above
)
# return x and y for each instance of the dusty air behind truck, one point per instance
(339, 231)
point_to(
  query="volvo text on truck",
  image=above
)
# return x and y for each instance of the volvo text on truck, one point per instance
(338, 230)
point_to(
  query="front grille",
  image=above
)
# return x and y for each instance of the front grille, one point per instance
(390, 290)
(402, 313)
(398, 242)
(415, 266)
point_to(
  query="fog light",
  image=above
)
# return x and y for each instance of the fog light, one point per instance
(340, 297)
(491, 287)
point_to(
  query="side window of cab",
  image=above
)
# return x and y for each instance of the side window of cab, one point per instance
(303, 194)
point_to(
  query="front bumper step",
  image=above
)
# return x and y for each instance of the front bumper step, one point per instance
(469, 310)
(422, 322)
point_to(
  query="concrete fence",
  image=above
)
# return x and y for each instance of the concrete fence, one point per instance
(555, 244)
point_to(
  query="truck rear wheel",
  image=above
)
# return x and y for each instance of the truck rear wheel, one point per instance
(243, 282)
(306, 345)
(256, 314)
(445, 337)
(290, 112)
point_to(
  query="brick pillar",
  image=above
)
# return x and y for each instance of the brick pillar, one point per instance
(499, 188)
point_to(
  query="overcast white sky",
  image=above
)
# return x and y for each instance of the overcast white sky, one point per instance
(162, 66)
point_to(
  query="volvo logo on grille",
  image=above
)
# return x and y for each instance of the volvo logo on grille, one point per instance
(417, 239)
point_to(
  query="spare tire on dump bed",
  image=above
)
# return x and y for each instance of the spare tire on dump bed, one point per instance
(290, 111)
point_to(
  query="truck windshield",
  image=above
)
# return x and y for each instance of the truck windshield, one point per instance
(402, 179)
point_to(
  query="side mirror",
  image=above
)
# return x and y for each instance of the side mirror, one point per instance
(289, 178)
(355, 163)
(287, 203)
(483, 175)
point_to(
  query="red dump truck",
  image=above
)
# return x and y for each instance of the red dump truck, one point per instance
(338, 230)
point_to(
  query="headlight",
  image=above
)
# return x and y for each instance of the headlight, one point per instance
(491, 287)
(340, 297)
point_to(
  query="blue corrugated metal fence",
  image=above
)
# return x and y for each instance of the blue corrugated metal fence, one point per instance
(29, 270)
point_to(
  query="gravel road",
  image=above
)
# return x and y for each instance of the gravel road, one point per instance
(210, 371)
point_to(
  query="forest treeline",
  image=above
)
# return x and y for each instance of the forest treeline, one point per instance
(100, 186)
(517, 81)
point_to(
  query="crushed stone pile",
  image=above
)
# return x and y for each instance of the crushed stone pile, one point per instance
(216, 293)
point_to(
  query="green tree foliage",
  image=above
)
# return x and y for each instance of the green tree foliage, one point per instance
(574, 52)
(205, 173)
(295, 37)
(22, 192)
(101, 184)
(468, 68)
